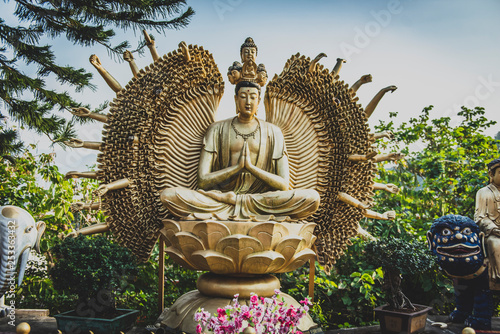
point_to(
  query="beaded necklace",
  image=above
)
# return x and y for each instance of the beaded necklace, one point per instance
(245, 136)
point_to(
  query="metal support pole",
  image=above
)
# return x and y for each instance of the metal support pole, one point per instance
(161, 276)
(312, 269)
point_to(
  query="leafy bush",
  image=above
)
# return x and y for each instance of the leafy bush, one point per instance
(430, 287)
(142, 294)
(37, 290)
(35, 184)
(347, 296)
(94, 269)
(397, 256)
(445, 166)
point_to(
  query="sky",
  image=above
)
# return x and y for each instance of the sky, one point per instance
(440, 53)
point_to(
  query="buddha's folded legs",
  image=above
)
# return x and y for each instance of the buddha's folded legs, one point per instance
(183, 202)
(296, 204)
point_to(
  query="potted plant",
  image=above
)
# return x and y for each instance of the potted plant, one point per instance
(94, 269)
(399, 257)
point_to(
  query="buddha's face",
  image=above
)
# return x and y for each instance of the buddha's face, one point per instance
(247, 100)
(495, 177)
(248, 54)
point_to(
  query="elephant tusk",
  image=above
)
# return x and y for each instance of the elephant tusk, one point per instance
(40, 226)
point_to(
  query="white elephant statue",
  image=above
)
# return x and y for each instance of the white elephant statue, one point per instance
(18, 235)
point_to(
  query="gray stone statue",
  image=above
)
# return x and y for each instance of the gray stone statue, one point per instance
(19, 233)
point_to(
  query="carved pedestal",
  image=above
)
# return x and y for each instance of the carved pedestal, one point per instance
(240, 256)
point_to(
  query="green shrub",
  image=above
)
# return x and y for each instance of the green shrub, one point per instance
(344, 298)
(398, 257)
(37, 290)
(142, 294)
(94, 269)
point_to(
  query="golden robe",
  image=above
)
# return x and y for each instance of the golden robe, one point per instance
(255, 200)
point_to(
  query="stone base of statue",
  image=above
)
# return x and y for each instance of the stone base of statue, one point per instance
(240, 258)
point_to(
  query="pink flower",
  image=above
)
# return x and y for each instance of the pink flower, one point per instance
(266, 315)
(197, 316)
(221, 314)
(306, 301)
(245, 315)
(238, 323)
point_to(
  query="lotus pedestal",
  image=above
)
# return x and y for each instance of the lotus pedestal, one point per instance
(240, 258)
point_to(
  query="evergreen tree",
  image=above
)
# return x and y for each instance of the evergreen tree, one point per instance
(26, 98)
(8, 143)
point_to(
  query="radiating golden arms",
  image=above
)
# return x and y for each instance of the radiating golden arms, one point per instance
(79, 206)
(339, 129)
(363, 80)
(76, 175)
(338, 66)
(389, 187)
(78, 143)
(164, 110)
(314, 63)
(112, 83)
(84, 112)
(128, 57)
(150, 43)
(385, 134)
(370, 108)
(373, 156)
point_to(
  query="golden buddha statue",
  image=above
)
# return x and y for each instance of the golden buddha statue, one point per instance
(163, 156)
(243, 171)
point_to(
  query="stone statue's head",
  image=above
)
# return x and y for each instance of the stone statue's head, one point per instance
(247, 98)
(494, 171)
(248, 50)
(242, 84)
(458, 245)
(234, 72)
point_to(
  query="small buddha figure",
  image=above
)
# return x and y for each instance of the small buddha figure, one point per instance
(487, 216)
(249, 71)
(234, 73)
(261, 75)
(248, 50)
(243, 171)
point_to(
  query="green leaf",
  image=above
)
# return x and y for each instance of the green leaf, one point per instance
(346, 300)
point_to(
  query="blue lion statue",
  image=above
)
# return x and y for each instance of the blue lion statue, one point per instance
(459, 247)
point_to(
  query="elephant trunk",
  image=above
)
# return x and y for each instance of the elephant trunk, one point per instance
(23, 260)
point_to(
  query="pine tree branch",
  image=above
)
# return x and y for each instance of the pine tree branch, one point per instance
(82, 22)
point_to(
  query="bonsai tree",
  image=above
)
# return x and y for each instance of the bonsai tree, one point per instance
(93, 268)
(398, 257)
